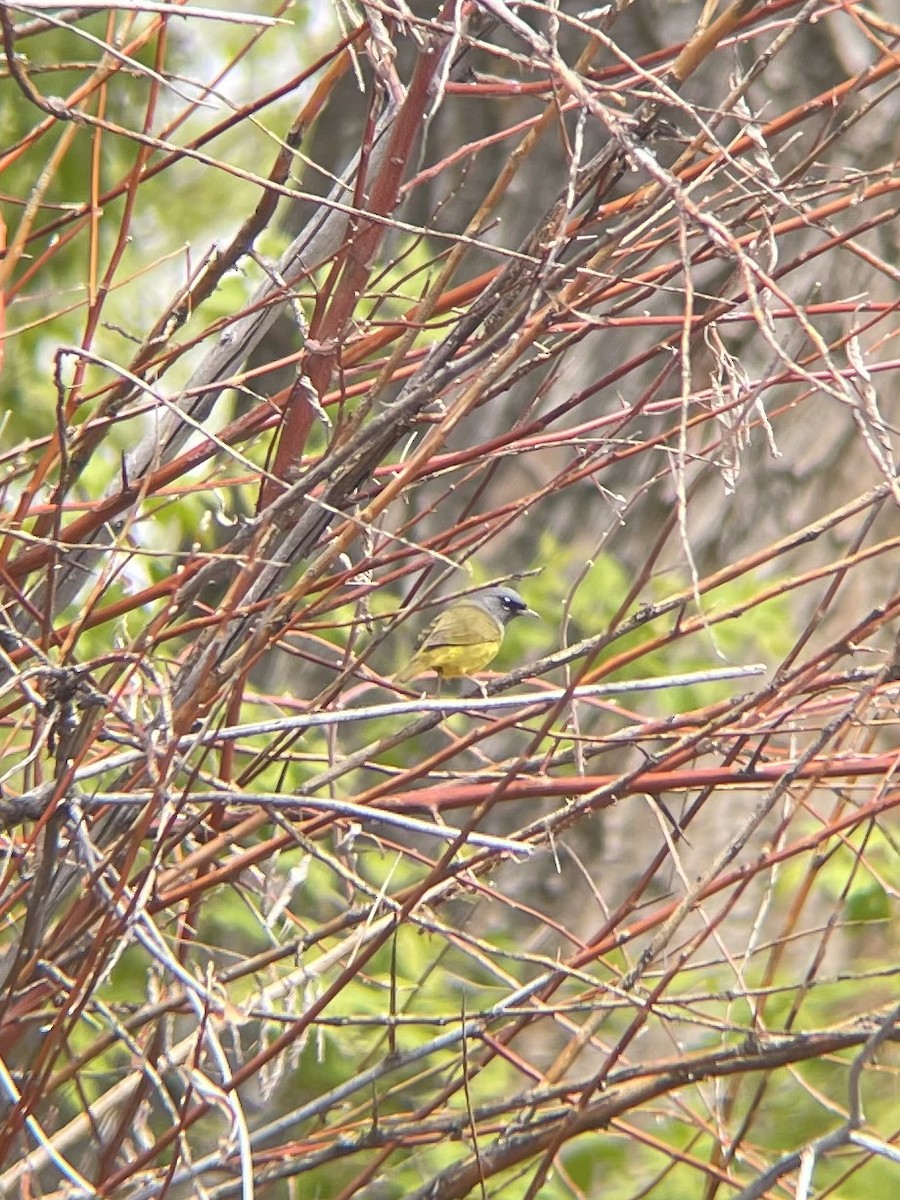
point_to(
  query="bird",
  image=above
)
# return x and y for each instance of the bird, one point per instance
(465, 637)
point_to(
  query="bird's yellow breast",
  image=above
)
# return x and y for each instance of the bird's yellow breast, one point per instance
(453, 661)
(462, 639)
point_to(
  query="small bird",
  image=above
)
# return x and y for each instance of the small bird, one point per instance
(466, 636)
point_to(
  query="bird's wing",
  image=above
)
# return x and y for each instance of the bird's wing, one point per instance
(457, 626)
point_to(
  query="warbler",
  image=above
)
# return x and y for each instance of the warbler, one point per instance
(468, 635)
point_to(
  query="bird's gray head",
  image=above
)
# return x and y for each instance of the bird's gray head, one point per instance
(504, 604)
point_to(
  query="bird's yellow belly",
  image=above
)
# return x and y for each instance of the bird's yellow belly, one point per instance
(454, 661)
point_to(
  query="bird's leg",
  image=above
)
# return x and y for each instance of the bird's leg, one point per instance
(440, 684)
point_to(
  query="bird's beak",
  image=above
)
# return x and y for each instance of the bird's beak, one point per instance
(529, 612)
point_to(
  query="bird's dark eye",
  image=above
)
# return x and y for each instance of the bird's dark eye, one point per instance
(512, 603)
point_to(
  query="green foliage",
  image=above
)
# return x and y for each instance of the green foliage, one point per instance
(758, 631)
(598, 1163)
(869, 903)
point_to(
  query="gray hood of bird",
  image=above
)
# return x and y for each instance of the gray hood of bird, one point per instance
(502, 603)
